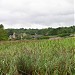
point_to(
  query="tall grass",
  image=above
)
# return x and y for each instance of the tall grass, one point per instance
(38, 57)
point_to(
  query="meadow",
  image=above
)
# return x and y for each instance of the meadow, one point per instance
(38, 57)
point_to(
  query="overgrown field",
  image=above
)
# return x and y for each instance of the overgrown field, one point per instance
(38, 57)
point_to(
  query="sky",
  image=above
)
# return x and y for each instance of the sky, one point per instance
(36, 13)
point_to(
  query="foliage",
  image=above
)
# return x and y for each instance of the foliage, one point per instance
(1, 26)
(64, 34)
(43, 37)
(64, 31)
(3, 33)
(38, 57)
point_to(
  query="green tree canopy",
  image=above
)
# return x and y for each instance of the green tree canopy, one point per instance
(1, 26)
(3, 33)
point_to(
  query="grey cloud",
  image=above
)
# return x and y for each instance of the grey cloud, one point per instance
(30, 13)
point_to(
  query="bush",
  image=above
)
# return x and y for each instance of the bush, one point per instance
(43, 37)
(64, 34)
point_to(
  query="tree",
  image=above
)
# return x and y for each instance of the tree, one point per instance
(10, 32)
(3, 33)
(1, 26)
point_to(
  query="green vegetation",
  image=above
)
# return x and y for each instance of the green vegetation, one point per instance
(61, 31)
(3, 33)
(47, 54)
(38, 57)
(22, 34)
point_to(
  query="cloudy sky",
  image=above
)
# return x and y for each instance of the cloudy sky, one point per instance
(36, 13)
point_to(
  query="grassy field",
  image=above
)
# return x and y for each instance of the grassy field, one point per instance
(38, 57)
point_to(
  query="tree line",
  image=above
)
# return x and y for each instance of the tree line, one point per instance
(61, 31)
(46, 32)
